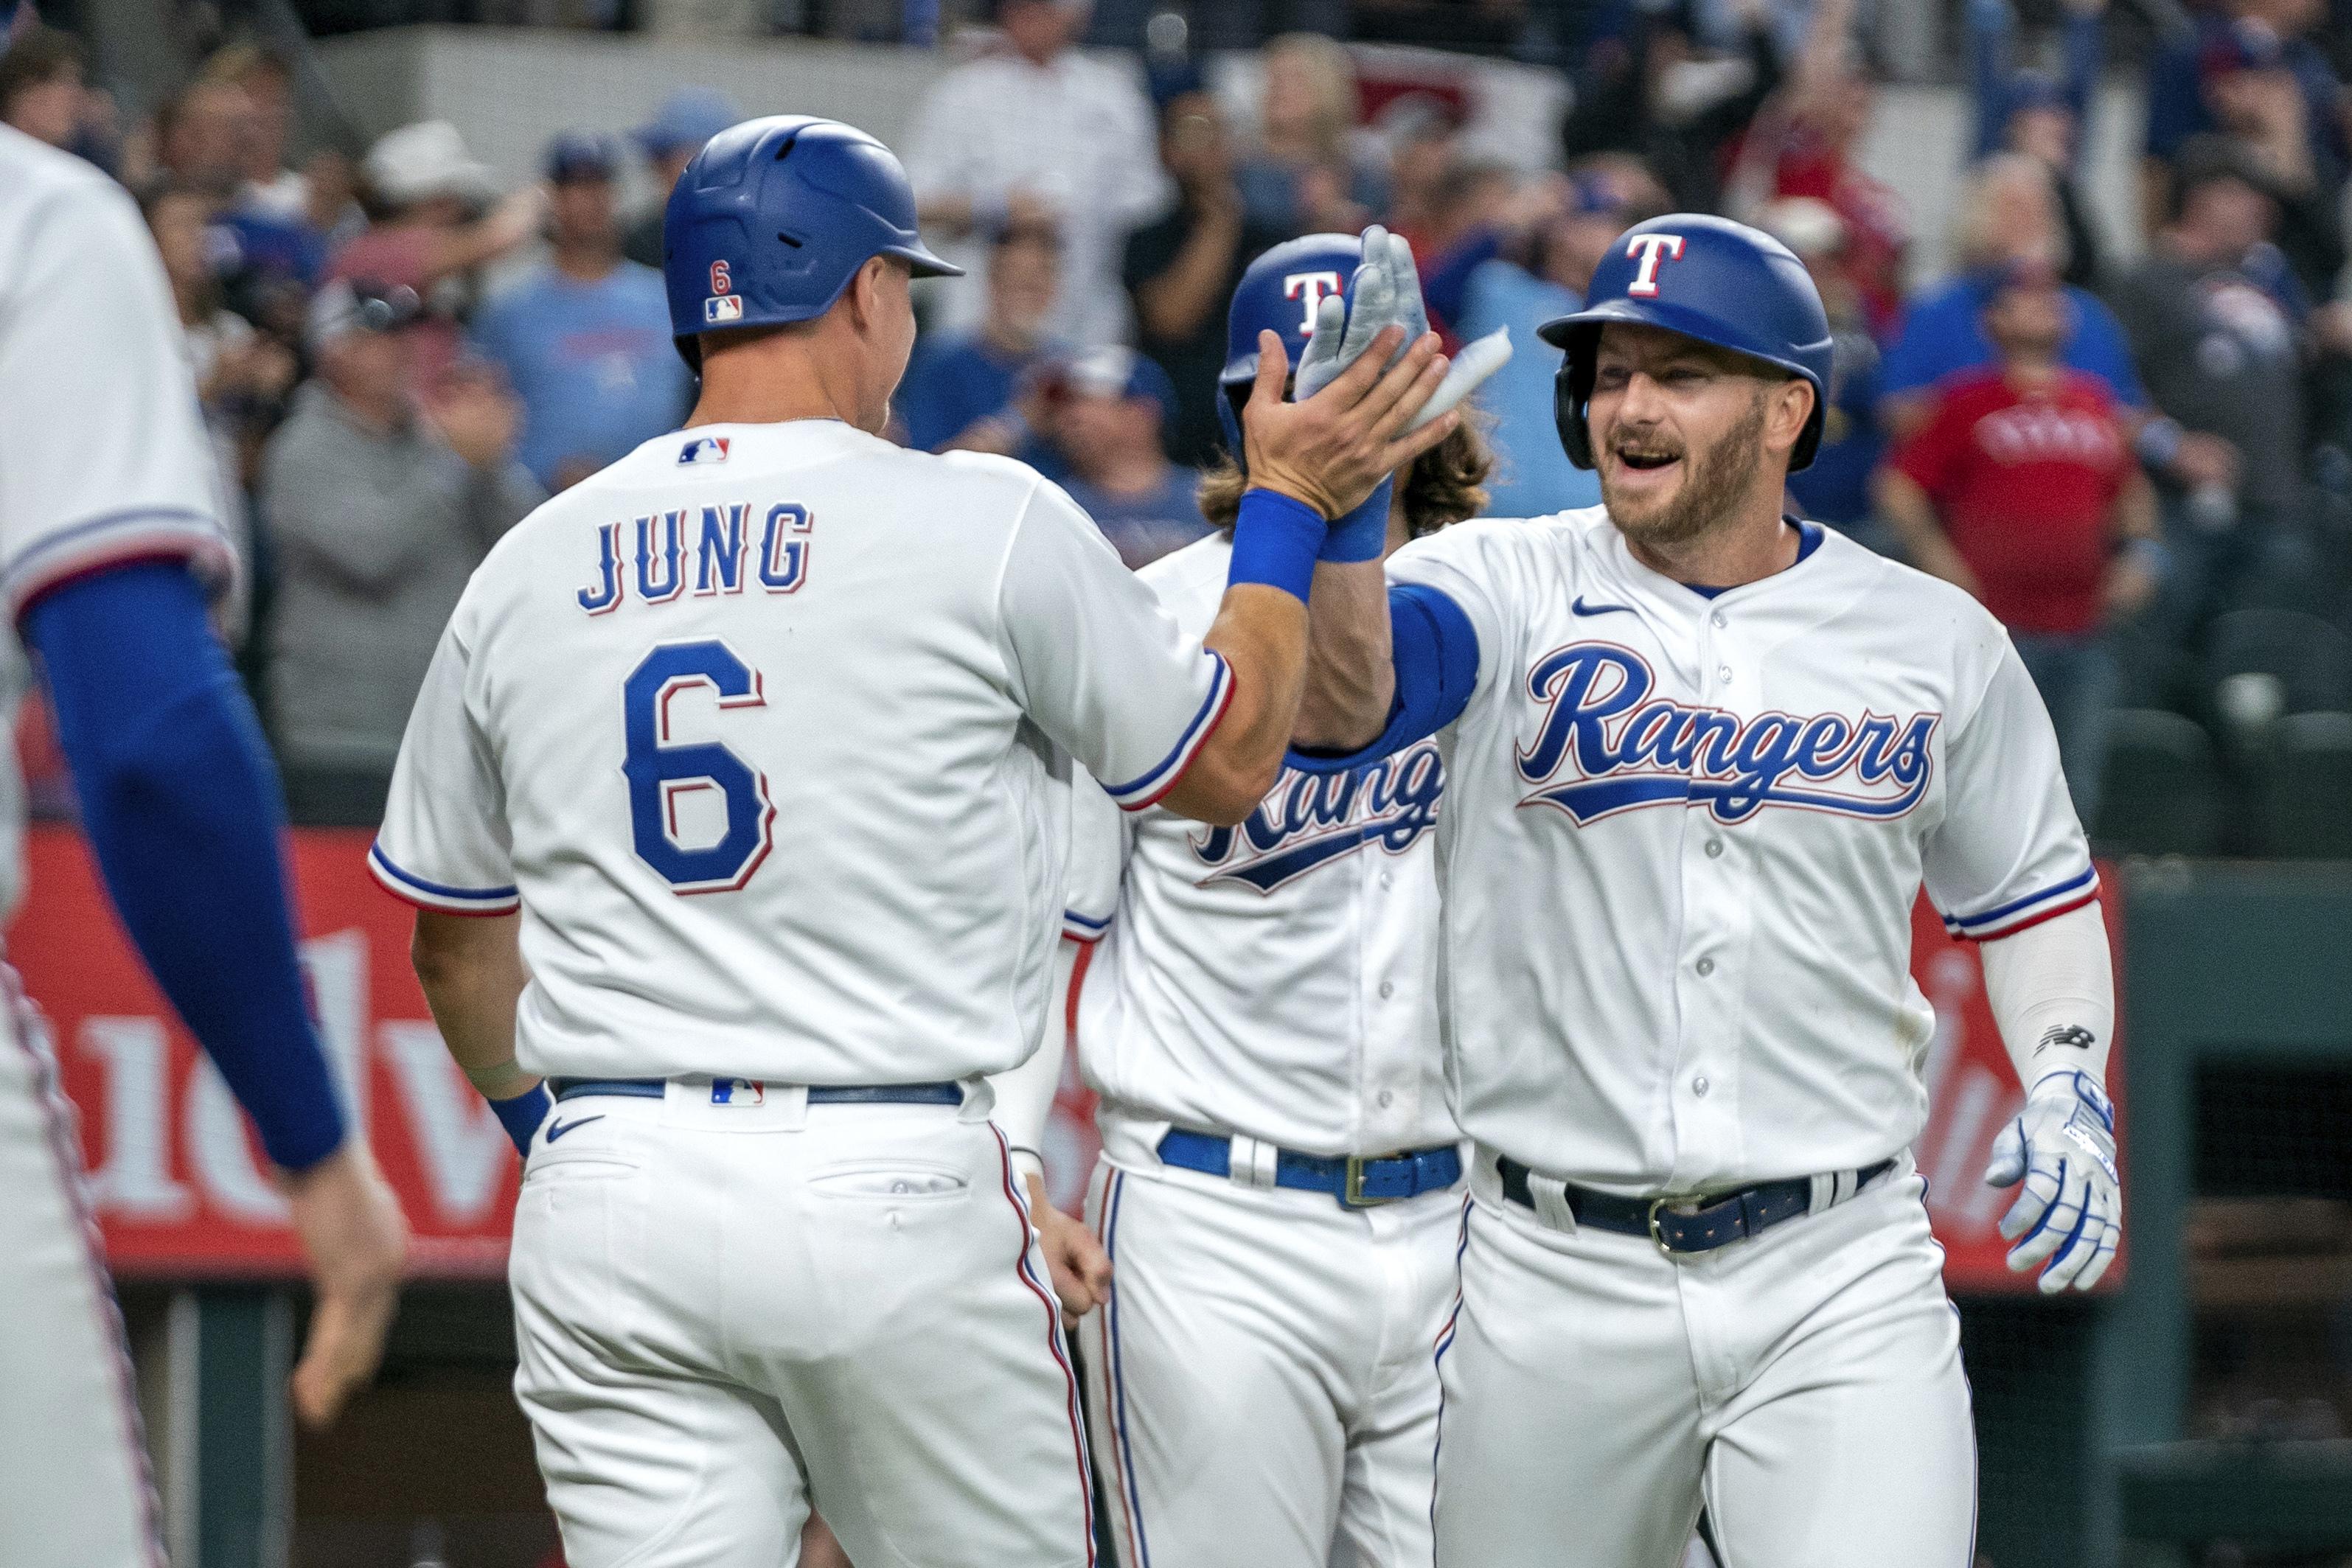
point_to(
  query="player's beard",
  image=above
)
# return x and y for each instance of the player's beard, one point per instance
(1711, 490)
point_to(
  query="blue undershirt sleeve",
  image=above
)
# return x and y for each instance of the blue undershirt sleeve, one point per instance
(1435, 653)
(180, 806)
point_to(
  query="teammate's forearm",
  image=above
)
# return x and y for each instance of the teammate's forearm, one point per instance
(1025, 1096)
(472, 971)
(2053, 989)
(1350, 681)
(181, 809)
(1261, 633)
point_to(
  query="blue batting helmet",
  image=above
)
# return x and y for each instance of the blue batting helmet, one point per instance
(1706, 277)
(773, 218)
(1280, 292)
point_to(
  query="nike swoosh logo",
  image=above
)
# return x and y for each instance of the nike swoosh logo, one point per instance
(557, 1129)
(1581, 607)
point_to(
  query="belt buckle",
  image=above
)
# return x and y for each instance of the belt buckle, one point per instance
(1668, 1201)
(1351, 1190)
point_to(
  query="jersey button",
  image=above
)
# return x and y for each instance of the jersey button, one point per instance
(1706, 966)
(1388, 879)
(1387, 989)
(1387, 1099)
(1699, 1086)
(1715, 849)
(1723, 673)
(1721, 620)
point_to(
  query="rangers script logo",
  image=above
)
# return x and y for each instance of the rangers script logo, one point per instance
(1313, 819)
(1623, 748)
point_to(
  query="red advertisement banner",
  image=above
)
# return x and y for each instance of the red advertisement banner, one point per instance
(182, 1191)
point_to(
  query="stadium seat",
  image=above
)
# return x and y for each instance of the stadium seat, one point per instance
(2161, 793)
(2307, 787)
(2310, 659)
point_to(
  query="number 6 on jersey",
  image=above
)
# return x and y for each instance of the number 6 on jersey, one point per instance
(663, 777)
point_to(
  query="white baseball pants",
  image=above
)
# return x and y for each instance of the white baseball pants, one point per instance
(728, 1315)
(1805, 1385)
(1261, 1382)
(74, 1487)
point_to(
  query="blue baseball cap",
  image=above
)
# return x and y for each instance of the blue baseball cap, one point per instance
(582, 156)
(686, 117)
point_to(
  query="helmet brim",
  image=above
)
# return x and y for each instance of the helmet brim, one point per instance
(922, 262)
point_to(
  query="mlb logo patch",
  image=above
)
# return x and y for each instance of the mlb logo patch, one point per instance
(738, 1092)
(726, 308)
(704, 449)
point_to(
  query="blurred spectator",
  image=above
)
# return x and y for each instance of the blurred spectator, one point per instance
(2223, 338)
(1806, 142)
(1425, 171)
(1542, 272)
(2021, 488)
(241, 376)
(2044, 117)
(1111, 406)
(2008, 215)
(42, 91)
(1657, 82)
(200, 138)
(1304, 166)
(960, 389)
(271, 185)
(686, 118)
(427, 192)
(2249, 71)
(1836, 489)
(378, 517)
(585, 340)
(1040, 131)
(1181, 271)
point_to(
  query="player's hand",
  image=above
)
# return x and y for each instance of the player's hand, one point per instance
(2070, 1210)
(1331, 450)
(1080, 1268)
(355, 1240)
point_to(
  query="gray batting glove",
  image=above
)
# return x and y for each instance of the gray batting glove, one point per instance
(1386, 291)
(2070, 1210)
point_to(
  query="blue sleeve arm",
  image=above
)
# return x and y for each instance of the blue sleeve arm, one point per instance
(1448, 283)
(1435, 652)
(180, 806)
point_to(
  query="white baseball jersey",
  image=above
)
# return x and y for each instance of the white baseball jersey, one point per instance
(103, 460)
(1683, 836)
(767, 730)
(103, 456)
(1275, 979)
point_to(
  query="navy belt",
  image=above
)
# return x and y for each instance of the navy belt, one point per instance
(1685, 1223)
(1355, 1181)
(818, 1094)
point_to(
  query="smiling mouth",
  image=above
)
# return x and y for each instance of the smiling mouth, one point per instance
(1647, 462)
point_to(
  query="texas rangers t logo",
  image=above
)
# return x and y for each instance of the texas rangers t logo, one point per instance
(1652, 249)
(1313, 288)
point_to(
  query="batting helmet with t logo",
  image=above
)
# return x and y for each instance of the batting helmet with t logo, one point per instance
(1279, 293)
(771, 220)
(1706, 277)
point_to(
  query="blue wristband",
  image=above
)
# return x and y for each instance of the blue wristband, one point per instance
(522, 1115)
(1362, 534)
(1274, 542)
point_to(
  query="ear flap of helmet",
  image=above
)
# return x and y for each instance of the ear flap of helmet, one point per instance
(1571, 399)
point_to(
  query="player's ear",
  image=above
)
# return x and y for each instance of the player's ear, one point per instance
(1787, 408)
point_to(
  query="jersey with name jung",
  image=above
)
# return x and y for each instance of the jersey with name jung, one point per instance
(103, 456)
(768, 729)
(1683, 840)
(1275, 979)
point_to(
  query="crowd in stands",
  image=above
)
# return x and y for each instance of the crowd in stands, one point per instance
(2131, 447)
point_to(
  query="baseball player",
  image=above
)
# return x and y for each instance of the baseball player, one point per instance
(109, 545)
(1700, 756)
(1279, 1184)
(750, 757)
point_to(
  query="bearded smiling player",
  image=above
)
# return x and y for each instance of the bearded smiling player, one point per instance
(1700, 759)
